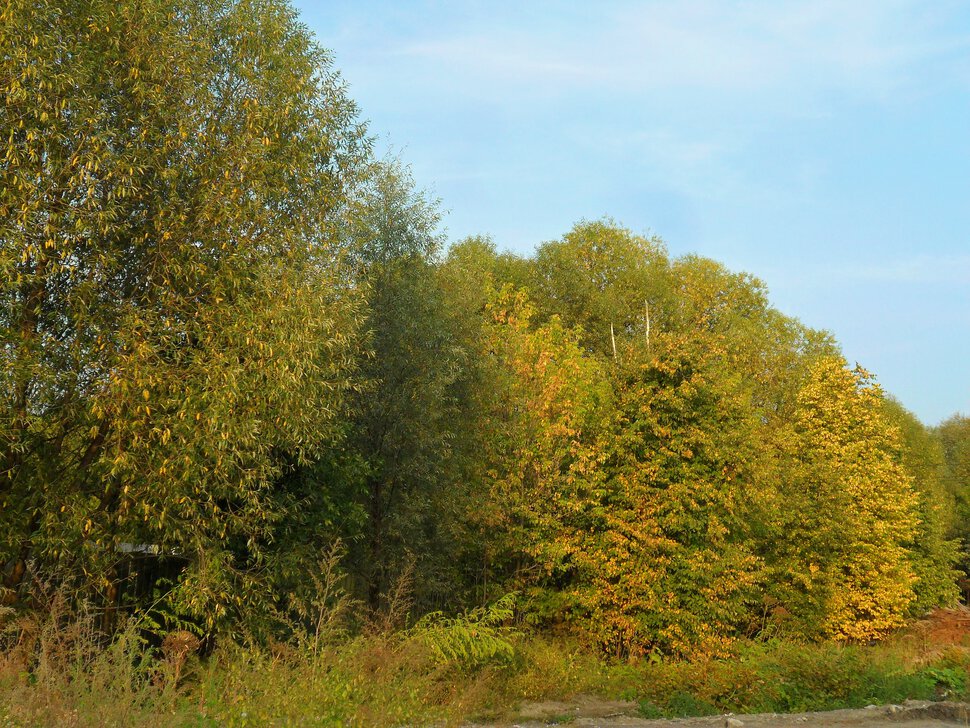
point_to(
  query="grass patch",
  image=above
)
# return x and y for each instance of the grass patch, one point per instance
(561, 719)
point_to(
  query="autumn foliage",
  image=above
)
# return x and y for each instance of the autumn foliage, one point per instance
(231, 338)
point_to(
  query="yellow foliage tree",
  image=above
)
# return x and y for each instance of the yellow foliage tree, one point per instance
(847, 514)
(544, 467)
(619, 512)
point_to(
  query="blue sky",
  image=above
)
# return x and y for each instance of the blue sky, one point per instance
(822, 146)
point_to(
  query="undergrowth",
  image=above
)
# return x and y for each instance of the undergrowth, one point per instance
(58, 670)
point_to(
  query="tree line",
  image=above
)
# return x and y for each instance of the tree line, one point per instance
(233, 336)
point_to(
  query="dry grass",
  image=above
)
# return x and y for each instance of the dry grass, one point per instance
(57, 669)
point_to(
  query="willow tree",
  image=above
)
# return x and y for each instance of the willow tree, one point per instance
(407, 423)
(175, 326)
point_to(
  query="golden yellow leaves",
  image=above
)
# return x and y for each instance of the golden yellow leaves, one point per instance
(859, 501)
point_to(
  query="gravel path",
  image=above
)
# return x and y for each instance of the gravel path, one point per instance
(611, 714)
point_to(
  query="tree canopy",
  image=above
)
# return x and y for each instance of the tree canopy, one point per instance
(232, 339)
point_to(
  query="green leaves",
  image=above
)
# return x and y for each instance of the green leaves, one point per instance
(177, 327)
(229, 333)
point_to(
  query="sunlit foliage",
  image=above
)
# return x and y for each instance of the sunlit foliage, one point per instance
(175, 322)
(231, 338)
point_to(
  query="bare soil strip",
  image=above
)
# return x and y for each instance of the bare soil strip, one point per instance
(588, 711)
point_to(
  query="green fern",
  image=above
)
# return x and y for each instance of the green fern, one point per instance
(469, 641)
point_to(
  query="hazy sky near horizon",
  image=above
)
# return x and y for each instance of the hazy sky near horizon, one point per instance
(822, 146)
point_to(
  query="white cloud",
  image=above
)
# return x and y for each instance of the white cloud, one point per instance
(695, 164)
(498, 59)
(865, 47)
(916, 270)
(919, 269)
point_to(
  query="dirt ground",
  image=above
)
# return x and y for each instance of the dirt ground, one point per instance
(941, 628)
(587, 711)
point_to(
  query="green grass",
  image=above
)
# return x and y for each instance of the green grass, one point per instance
(789, 678)
(560, 719)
